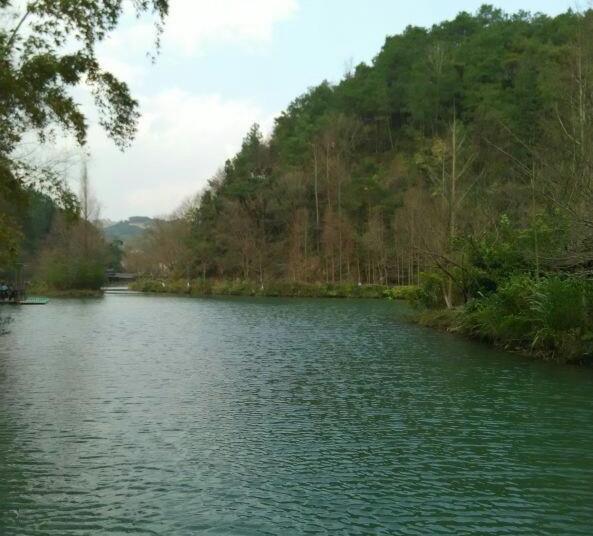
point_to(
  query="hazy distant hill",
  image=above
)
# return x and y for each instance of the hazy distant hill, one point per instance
(129, 229)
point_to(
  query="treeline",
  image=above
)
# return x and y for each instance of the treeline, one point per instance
(449, 133)
(459, 159)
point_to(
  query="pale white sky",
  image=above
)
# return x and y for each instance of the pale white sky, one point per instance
(227, 64)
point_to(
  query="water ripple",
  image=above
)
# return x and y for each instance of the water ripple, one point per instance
(172, 416)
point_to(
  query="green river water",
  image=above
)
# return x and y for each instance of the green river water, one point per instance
(176, 416)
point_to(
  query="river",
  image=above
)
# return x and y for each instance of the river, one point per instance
(176, 416)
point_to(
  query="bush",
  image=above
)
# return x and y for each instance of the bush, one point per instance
(552, 316)
(409, 293)
(430, 292)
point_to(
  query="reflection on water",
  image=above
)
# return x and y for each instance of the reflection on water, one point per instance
(148, 415)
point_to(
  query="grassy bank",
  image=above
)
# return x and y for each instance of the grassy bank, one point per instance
(452, 321)
(271, 289)
(550, 318)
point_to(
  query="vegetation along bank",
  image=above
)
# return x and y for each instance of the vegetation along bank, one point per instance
(460, 160)
(271, 289)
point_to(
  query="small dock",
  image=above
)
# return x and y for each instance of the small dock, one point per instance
(33, 300)
(25, 300)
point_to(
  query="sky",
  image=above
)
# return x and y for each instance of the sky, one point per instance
(226, 64)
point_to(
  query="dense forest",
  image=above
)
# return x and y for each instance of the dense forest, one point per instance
(453, 137)
(460, 159)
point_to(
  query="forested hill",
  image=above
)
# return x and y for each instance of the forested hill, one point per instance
(464, 149)
(449, 131)
(128, 230)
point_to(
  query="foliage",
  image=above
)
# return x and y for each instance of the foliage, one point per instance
(456, 166)
(209, 287)
(552, 316)
(115, 255)
(47, 48)
(408, 293)
(430, 293)
(9, 240)
(434, 158)
(74, 256)
(65, 274)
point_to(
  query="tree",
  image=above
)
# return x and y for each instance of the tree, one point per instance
(48, 47)
(449, 167)
(74, 256)
(89, 207)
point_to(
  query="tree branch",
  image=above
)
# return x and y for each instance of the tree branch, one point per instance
(16, 29)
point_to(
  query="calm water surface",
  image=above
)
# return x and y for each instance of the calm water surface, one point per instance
(174, 416)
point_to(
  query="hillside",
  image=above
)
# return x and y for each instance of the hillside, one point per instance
(129, 229)
(460, 160)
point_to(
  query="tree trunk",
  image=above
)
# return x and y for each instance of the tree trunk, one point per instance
(316, 186)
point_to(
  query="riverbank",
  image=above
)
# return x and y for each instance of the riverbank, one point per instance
(286, 289)
(569, 349)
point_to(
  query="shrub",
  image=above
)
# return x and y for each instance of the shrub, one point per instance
(430, 292)
(409, 293)
(552, 316)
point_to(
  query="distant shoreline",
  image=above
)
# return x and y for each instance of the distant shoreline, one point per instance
(284, 289)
